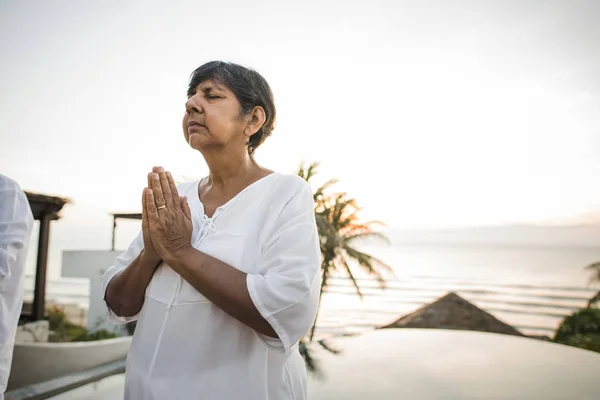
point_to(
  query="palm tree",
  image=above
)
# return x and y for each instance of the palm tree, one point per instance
(312, 364)
(595, 268)
(339, 231)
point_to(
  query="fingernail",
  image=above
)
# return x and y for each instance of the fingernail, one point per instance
(161, 169)
(155, 175)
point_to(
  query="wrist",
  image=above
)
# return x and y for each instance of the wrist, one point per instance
(177, 258)
(150, 258)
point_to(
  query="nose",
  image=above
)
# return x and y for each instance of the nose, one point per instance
(193, 106)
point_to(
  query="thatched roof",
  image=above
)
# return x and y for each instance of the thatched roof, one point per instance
(453, 312)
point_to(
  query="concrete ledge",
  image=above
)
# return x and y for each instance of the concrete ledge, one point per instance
(53, 387)
(38, 362)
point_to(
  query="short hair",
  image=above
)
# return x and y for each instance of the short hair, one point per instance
(250, 88)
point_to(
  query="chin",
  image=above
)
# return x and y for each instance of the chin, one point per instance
(195, 142)
(199, 141)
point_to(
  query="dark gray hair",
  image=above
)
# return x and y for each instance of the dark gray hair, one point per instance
(250, 88)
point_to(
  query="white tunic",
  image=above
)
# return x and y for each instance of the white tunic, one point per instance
(185, 347)
(16, 222)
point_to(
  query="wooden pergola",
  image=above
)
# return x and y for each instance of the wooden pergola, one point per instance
(123, 216)
(45, 209)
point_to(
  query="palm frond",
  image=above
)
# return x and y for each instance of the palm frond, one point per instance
(595, 268)
(312, 365)
(324, 344)
(368, 235)
(306, 172)
(594, 299)
(367, 226)
(352, 278)
(320, 192)
(373, 266)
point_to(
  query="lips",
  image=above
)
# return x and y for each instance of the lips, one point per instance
(193, 124)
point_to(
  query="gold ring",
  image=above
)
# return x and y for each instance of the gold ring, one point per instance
(161, 207)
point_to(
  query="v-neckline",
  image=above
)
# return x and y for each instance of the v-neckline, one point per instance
(222, 207)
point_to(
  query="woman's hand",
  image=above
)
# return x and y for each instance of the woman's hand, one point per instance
(149, 253)
(169, 217)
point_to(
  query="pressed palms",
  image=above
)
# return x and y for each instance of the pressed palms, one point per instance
(340, 230)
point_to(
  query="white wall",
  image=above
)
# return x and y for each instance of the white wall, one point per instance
(92, 264)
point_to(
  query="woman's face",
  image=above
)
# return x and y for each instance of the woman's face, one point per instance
(213, 118)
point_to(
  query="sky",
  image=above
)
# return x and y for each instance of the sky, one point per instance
(432, 114)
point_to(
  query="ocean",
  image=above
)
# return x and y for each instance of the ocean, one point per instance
(529, 287)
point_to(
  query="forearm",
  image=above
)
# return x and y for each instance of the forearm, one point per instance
(126, 291)
(222, 284)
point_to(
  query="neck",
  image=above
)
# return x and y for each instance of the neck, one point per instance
(225, 170)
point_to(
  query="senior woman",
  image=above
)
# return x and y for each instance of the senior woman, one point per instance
(223, 278)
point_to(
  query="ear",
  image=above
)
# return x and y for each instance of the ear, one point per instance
(255, 121)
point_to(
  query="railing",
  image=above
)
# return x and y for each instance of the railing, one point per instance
(57, 386)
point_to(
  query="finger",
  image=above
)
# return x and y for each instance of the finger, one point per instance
(150, 179)
(151, 206)
(174, 192)
(166, 189)
(186, 208)
(159, 199)
(144, 213)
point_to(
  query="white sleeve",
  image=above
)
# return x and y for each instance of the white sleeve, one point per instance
(286, 291)
(16, 222)
(120, 263)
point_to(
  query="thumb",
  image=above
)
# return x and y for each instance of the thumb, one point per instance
(185, 207)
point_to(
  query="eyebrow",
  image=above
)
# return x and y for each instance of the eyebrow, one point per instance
(214, 86)
(207, 89)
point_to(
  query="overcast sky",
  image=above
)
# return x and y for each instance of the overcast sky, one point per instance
(432, 114)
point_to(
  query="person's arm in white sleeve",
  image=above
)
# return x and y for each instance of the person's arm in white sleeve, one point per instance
(286, 292)
(125, 283)
(16, 223)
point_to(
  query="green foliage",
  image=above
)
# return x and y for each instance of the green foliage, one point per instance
(64, 330)
(580, 329)
(588, 342)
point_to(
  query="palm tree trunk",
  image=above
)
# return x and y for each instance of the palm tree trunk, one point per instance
(323, 283)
